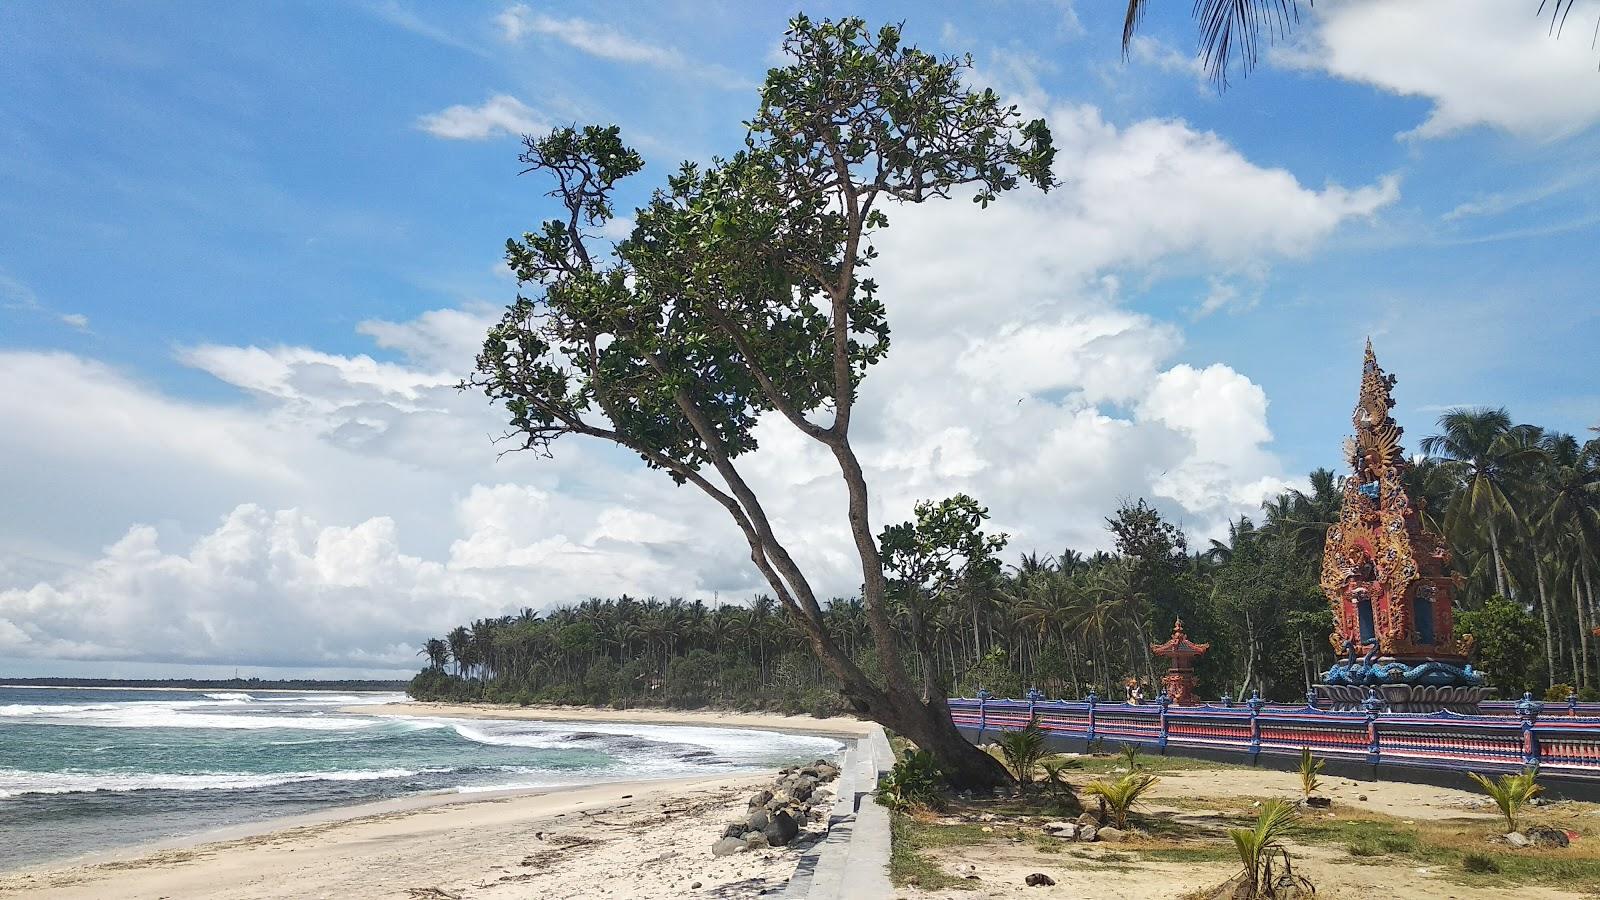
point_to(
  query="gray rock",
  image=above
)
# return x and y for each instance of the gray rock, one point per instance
(782, 829)
(760, 799)
(734, 829)
(757, 820)
(1545, 836)
(1088, 832)
(1113, 835)
(755, 840)
(1517, 839)
(803, 788)
(967, 871)
(728, 846)
(1038, 879)
(1319, 802)
(1068, 830)
(1088, 819)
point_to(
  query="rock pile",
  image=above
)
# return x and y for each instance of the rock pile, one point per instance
(775, 817)
(1086, 828)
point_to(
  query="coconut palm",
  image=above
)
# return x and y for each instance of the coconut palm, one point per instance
(1481, 447)
(1122, 795)
(1232, 29)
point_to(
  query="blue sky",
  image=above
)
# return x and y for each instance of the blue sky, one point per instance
(244, 249)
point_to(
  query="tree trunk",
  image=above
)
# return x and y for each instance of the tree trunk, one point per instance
(1499, 568)
(1549, 635)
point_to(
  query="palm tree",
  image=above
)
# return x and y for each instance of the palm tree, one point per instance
(1233, 28)
(437, 652)
(1483, 450)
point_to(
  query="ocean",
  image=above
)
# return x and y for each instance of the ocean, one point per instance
(83, 771)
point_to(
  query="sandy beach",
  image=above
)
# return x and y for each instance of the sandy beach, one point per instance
(648, 839)
(615, 840)
(837, 726)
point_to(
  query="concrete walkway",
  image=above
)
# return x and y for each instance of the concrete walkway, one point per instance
(853, 860)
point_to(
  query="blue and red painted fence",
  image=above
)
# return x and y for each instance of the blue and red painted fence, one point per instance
(1562, 740)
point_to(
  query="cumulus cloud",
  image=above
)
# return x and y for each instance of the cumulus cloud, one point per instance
(501, 114)
(1480, 62)
(369, 511)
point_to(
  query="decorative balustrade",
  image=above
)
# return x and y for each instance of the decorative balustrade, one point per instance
(1562, 739)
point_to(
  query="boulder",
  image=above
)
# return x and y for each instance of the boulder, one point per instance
(1038, 879)
(757, 820)
(1113, 835)
(760, 799)
(1517, 839)
(782, 829)
(803, 788)
(1068, 830)
(1088, 832)
(1545, 836)
(728, 846)
(755, 840)
(1089, 819)
(734, 829)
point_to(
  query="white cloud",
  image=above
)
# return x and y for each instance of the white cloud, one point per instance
(1481, 62)
(604, 42)
(76, 320)
(500, 114)
(368, 510)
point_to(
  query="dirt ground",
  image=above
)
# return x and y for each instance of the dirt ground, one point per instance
(1379, 839)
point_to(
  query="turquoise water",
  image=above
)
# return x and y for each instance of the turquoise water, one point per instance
(86, 770)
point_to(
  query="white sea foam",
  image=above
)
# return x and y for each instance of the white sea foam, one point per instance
(653, 744)
(226, 696)
(175, 714)
(16, 782)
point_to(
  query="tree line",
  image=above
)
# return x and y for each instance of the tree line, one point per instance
(1519, 504)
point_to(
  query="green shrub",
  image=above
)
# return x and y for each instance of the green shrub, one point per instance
(1557, 693)
(1023, 749)
(1510, 792)
(914, 781)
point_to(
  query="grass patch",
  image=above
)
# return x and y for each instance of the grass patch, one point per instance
(1479, 864)
(907, 864)
(1217, 853)
(1148, 762)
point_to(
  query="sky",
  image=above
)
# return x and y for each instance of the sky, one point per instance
(247, 251)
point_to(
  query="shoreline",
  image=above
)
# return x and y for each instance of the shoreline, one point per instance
(464, 844)
(835, 727)
(455, 843)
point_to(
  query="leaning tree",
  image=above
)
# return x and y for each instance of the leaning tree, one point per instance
(740, 293)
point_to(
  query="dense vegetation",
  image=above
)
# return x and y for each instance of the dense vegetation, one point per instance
(1521, 506)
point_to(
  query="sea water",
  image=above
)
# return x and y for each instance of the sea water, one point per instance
(88, 770)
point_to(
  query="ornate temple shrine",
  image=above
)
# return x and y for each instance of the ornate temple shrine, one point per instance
(1388, 579)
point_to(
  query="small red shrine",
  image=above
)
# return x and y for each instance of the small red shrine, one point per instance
(1180, 680)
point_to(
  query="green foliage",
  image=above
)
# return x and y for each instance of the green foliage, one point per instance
(1130, 757)
(913, 781)
(1508, 642)
(1510, 792)
(1121, 795)
(1310, 768)
(1023, 748)
(1267, 868)
(995, 672)
(1558, 693)
(1061, 790)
